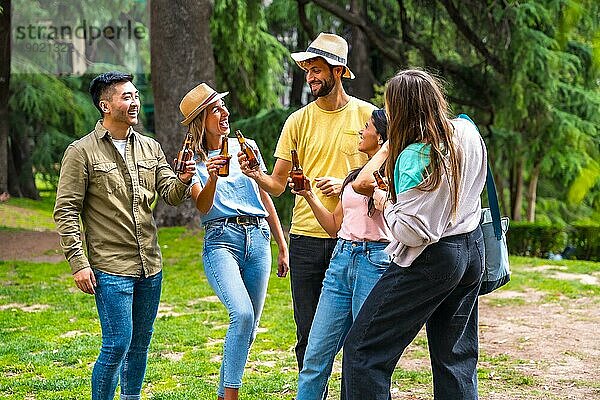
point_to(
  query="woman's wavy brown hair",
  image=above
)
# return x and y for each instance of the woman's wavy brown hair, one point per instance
(198, 129)
(418, 113)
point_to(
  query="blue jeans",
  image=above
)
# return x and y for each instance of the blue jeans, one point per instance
(309, 259)
(237, 263)
(127, 307)
(440, 290)
(354, 269)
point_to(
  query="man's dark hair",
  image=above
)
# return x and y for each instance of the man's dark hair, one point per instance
(103, 83)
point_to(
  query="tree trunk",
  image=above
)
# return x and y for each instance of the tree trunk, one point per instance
(298, 76)
(4, 91)
(21, 181)
(181, 57)
(516, 189)
(359, 60)
(305, 34)
(532, 192)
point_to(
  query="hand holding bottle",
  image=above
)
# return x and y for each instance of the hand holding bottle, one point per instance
(215, 164)
(305, 191)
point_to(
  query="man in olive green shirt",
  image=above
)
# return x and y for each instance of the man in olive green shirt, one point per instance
(109, 179)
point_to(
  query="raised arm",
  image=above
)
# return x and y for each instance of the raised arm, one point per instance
(273, 184)
(173, 188)
(365, 182)
(203, 196)
(330, 221)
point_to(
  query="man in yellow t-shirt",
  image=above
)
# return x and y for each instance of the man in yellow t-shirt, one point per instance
(325, 135)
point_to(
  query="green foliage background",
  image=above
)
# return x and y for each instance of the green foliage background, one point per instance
(535, 94)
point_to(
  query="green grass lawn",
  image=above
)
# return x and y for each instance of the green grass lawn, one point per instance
(50, 335)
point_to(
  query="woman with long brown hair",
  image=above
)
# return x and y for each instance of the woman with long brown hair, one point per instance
(436, 168)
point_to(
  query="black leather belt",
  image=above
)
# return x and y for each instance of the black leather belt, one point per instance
(240, 220)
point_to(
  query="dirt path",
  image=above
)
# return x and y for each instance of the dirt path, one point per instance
(40, 246)
(557, 343)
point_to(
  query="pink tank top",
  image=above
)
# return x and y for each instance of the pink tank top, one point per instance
(357, 225)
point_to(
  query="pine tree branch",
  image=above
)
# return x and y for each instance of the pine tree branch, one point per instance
(384, 44)
(306, 24)
(471, 36)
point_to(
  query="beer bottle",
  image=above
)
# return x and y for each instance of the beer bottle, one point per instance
(247, 150)
(185, 154)
(296, 173)
(380, 183)
(224, 170)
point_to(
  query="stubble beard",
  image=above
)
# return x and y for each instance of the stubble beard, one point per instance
(326, 87)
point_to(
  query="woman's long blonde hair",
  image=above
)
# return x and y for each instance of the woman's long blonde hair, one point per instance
(418, 113)
(198, 129)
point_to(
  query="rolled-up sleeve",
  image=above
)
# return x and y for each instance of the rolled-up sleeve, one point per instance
(72, 186)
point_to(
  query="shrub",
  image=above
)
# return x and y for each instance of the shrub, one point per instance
(534, 239)
(540, 239)
(586, 240)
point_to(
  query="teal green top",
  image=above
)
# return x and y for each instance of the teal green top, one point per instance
(410, 166)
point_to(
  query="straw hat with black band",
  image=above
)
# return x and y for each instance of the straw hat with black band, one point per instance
(332, 48)
(197, 100)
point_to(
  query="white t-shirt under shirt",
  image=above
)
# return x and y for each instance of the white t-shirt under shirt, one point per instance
(121, 146)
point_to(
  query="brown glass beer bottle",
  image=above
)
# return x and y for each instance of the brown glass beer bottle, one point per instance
(185, 154)
(247, 150)
(296, 173)
(224, 170)
(380, 183)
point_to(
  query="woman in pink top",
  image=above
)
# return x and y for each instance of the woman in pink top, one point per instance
(357, 262)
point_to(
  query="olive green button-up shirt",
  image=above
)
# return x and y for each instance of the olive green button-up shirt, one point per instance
(113, 197)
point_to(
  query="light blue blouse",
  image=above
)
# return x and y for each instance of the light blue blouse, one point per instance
(235, 194)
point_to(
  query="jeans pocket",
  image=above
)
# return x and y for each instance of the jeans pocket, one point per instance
(266, 232)
(479, 243)
(213, 232)
(337, 249)
(439, 261)
(379, 258)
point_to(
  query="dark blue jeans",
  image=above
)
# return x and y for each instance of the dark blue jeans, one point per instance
(127, 307)
(440, 290)
(309, 259)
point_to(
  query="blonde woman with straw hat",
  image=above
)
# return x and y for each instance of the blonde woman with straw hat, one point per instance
(238, 219)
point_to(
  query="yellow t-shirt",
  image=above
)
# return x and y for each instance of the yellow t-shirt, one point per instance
(327, 145)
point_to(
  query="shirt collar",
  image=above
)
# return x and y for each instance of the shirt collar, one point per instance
(101, 132)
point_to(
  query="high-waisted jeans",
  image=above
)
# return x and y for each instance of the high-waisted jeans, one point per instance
(440, 290)
(127, 307)
(354, 269)
(237, 263)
